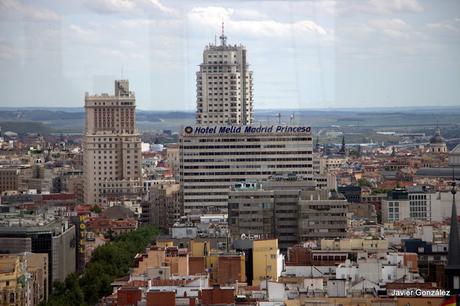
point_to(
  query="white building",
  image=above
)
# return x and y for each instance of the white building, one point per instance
(181, 231)
(215, 158)
(370, 273)
(333, 162)
(112, 147)
(454, 156)
(224, 85)
(417, 203)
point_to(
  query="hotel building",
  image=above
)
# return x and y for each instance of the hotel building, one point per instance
(214, 158)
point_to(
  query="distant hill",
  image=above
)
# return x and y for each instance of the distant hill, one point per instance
(24, 127)
(39, 115)
(71, 120)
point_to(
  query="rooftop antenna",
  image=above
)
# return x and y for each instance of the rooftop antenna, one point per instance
(223, 38)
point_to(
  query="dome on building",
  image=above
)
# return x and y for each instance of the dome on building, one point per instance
(437, 138)
(437, 143)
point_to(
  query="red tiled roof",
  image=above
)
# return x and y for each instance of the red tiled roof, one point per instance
(58, 196)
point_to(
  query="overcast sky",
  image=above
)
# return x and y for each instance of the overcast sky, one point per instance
(304, 54)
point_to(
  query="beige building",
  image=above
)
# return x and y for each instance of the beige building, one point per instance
(224, 85)
(158, 257)
(173, 157)
(333, 162)
(359, 244)
(267, 261)
(23, 279)
(112, 147)
(214, 158)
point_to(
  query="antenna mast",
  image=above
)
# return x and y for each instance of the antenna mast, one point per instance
(223, 38)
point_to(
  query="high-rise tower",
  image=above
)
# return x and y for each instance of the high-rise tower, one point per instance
(224, 85)
(112, 147)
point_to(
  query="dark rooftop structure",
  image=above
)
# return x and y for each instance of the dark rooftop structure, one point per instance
(117, 212)
(437, 138)
(437, 172)
(452, 269)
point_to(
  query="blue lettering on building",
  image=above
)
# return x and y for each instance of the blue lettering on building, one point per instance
(247, 129)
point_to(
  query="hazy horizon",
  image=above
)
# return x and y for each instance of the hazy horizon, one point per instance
(320, 54)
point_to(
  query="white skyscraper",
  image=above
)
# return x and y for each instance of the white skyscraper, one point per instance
(112, 147)
(224, 85)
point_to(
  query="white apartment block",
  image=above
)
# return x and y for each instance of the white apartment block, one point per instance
(418, 205)
(215, 158)
(224, 85)
(112, 147)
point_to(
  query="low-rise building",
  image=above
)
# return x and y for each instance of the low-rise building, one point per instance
(164, 206)
(273, 208)
(55, 238)
(268, 263)
(369, 244)
(23, 279)
(322, 214)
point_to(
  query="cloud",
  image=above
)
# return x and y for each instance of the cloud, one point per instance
(29, 12)
(249, 14)
(112, 6)
(377, 7)
(82, 34)
(211, 17)
(388, 6)
(452, 25)
(7, 52)
(392, 28)
(162, 7)
(129, 7)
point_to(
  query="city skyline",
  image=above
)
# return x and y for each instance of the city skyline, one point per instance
(304, 54)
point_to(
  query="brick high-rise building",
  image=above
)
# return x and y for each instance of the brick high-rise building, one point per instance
(112, 147)
(9, 179)
(224, 85)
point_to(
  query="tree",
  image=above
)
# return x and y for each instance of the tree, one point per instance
(108, 262)
(364, 182)
(96, 209)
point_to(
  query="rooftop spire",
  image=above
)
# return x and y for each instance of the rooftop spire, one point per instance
(343, 148)
(223, 38)
(453, 259)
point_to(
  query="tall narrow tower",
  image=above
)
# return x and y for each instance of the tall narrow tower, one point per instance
(343, 149)
(112, 147)
(224, 85)
(452, 270)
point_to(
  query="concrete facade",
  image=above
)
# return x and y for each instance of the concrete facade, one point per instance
(267, 208)
(112, 147)
(215, 158)
(56, 239)
(224, 85)
(164, 206)
(322, 215)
